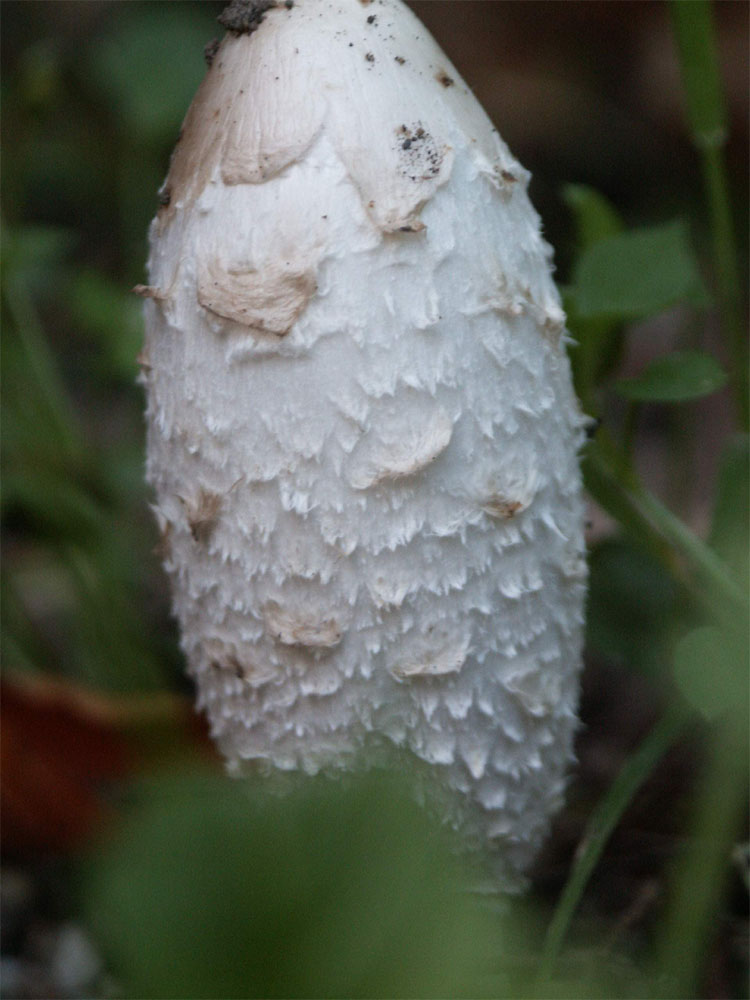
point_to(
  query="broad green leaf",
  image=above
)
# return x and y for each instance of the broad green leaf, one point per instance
(216, 888)
(675, 378)
(598, 341)
(730, 527)
(595, 351)
(710, 669)
(595, 217)
(637, 274)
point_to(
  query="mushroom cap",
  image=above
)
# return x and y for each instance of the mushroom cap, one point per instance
(362, 432)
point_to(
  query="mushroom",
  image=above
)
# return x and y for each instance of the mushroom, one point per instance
(362, 431)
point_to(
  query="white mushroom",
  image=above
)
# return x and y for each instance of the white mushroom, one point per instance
(362, 432)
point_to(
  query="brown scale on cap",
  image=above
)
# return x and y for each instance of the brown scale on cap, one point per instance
(202, 514)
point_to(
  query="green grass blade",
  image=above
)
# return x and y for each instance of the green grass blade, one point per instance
(696, 40)
(700, 879)
(42, 367)
(696, 43)
(647, 520)
(601, 825)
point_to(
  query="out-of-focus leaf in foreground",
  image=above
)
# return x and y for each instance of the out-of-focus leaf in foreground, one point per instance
(219, 889)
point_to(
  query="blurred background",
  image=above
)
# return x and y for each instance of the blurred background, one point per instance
(98, 729)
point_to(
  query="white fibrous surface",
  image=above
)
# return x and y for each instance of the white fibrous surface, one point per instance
(362, 433)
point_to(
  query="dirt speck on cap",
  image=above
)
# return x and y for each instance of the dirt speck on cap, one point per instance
(210, 50)
(243, 17)
(420, 158)
(442, 77)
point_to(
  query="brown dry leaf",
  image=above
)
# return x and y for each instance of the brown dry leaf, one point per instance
(63, 745)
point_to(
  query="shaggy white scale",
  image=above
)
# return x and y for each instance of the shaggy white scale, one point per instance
(362, 432)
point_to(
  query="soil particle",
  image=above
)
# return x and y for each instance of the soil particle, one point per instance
(370, 57)
(400, 60)
(164, 196)
(210, 51)
(243, 17)
(371, 19)
(508, 176)
(442, 77)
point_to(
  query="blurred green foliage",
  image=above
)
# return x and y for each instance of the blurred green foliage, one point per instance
(634, 607)
(637, 274)
(675, 378)
(88, 132)
(217, 889)
(328, 890)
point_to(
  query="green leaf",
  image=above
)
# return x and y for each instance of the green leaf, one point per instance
(637, 274)
(597, 342)
(675, 378)
(632, 605)
(710, 669)
(216, 888)
(730, 528)
(595, 352)
(595, 217)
